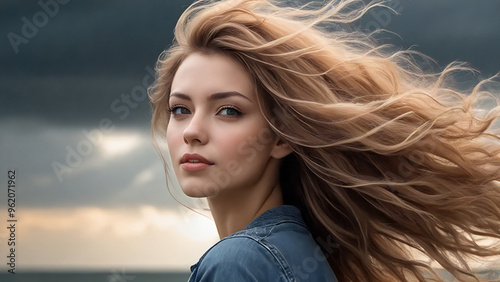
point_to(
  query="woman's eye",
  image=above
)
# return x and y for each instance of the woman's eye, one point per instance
(229, 112)
(179, 110)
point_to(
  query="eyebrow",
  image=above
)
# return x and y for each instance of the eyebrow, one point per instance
(215, 96)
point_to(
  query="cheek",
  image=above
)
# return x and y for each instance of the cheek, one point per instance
(229, 144)
(174, 138)
(244, 145)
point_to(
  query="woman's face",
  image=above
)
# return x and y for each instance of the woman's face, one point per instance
(217, 137)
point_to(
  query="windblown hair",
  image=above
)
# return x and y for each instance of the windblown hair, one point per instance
(388, 160)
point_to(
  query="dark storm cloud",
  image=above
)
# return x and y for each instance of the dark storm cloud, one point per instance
(90, 53)
(61, 167)
(77, 100)
(75, 64)
(121, 37)
(446, 30)
(87, 37)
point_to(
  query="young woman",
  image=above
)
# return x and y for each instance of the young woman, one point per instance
(319, 151)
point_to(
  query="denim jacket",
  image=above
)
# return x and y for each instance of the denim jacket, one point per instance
(276, 246)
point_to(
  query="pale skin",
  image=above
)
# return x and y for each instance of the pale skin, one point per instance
(215, 114)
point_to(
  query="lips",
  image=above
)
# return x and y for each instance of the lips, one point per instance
(194, 158)
(194, 162)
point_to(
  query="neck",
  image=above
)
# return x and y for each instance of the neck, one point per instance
(234, 210)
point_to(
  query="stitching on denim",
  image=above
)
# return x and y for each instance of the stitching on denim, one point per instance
(280, 258)
(252, 231)
(285, 267)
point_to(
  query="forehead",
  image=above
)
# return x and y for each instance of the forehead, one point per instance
(203, 73)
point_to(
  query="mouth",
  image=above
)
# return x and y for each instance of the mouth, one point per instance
(194, 162)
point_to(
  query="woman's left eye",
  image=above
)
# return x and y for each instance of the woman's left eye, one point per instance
(229, 111)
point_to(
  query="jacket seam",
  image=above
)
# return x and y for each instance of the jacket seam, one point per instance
(276, 254)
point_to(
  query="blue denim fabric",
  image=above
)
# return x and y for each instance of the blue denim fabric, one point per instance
(276, 246)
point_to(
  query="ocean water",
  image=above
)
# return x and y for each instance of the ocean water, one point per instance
(489, 275)
(94, 277)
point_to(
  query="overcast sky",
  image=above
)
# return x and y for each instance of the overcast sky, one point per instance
(63, 88)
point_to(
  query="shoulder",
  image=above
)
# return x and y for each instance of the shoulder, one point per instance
(239, 258)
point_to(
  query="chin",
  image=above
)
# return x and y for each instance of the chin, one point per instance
(200, 191)
(193, 193)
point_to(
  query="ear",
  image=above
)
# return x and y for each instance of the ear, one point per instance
(281, 149)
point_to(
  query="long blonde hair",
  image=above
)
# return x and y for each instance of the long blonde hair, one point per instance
(386, 158)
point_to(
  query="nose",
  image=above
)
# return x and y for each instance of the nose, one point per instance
(196, 131)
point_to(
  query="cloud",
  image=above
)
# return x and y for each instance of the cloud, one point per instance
(112, 209)
(90, 53)
(445, 30)
(69, 100)
(144, 237)
(118, 168)
(87, 37)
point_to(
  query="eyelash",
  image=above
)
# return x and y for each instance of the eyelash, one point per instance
(238, 112)
(172, 109)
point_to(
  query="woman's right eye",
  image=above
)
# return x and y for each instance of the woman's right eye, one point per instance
(179, 110)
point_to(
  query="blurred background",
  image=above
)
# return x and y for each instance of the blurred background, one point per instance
(90, 192)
